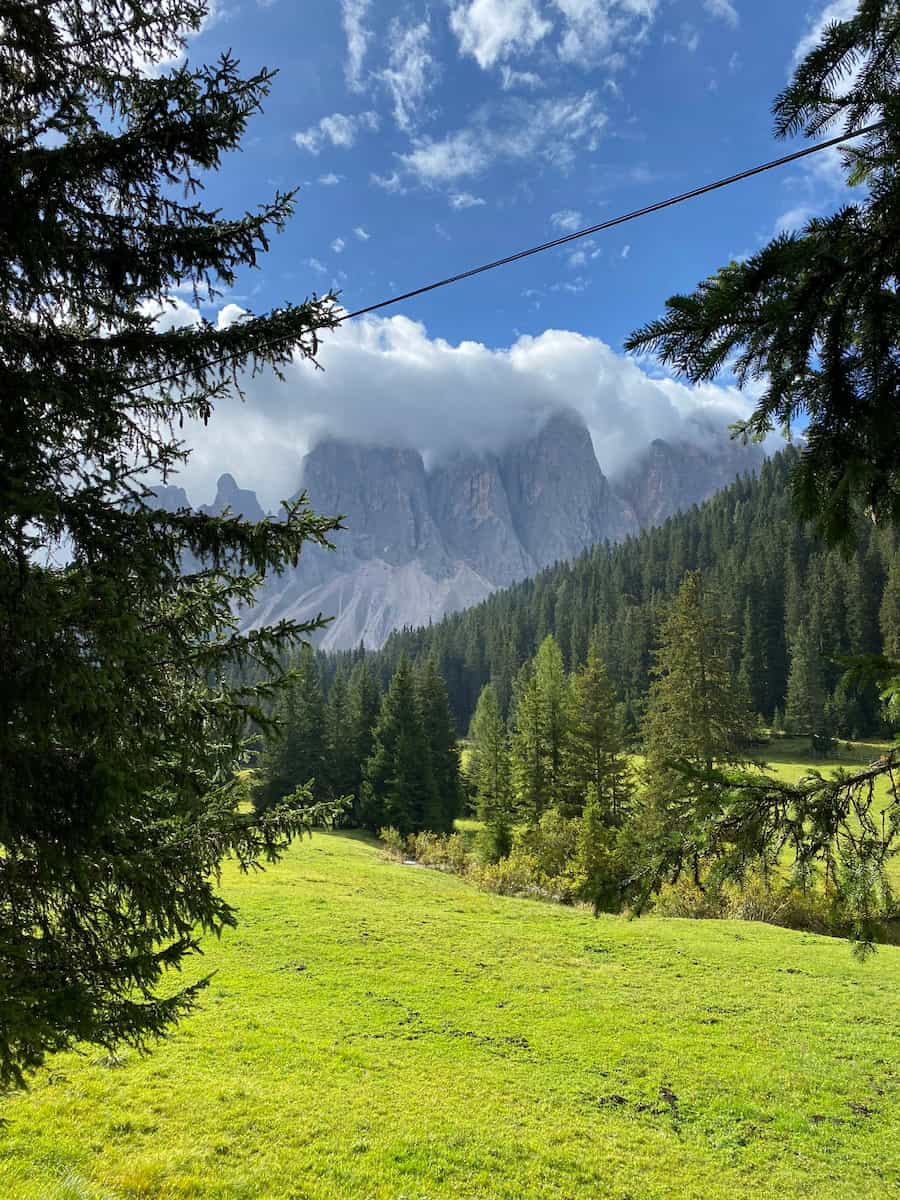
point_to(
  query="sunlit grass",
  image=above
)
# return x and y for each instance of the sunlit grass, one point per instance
(375, 1031)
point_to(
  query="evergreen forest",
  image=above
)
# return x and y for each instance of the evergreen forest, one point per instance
(795, 606)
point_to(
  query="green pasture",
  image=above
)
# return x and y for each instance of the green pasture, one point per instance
(379, 1031)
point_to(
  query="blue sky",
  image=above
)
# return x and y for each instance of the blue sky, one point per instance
(426, 138)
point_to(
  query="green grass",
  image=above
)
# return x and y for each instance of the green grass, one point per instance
(378, 1031)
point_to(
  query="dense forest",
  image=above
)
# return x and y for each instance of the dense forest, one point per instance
(795, 605)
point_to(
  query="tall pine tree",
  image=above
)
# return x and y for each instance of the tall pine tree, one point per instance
(594, 751)
(696, 719)
(398, 783)
(489, 768)
(440, 735)
(295, 754)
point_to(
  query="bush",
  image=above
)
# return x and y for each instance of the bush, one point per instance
(685, 898)
(393, 846)
(516, 875)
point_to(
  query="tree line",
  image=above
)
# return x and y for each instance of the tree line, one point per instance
(799, 605)
(561, 799)
(385, 760)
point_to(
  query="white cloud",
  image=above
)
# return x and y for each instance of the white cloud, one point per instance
(330, 180)
(338, 129)
(317, 266)
(490, 30)
(550, 130)
(626, 250)
(568, 220)
(465, 200)
(411, 72)
(362, 234)
(836, 10)
(510, 79)
(338, 245)
(687, 36)
(794, 219)
(599, 31)
(459, 154)
(386, 381)
(388, 183)
(723, 10)
(353, 16)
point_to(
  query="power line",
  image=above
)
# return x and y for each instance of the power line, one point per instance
(553, 243)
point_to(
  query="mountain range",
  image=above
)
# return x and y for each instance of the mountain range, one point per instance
(421, 541)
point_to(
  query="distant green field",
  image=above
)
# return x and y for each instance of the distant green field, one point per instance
(377, 1031)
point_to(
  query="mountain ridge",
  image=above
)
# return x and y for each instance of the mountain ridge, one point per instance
(420, 543)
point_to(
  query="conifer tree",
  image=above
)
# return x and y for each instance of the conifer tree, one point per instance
(341, 763)
(443, 750)
(295, 754)
(398, 784)
(527, 759)
(594, 751)
(695, 718)
(805, 708)
(889, 612)
(121, 730)
(552, 689)
(489, 768)
(813, 316)
(364, 706)
(596, 859)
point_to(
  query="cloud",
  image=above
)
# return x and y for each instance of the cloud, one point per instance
(330, 180)
(317, 266)
(588, 32)
(362, 234)
(412, 71)
(687, 36)
(597, 31)
(568, 220)
(510, 79)
(550, 130)
(353, 16)
(386, 381)
(836, 10)
(457, 155)
(338, 129)
(388, 183)
(491, 30)
(338, 245)
(626, 250)
(794, 219)
(723, 10)
(465, 200)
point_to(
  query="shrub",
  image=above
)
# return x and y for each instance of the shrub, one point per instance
(393, 846)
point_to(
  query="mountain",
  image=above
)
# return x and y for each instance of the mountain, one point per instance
(670, 477)
(420, 543)
(770, 573)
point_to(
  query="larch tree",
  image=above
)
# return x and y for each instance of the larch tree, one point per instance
(120, 731)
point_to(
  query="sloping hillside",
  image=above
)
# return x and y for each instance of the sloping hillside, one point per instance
(377, 1031)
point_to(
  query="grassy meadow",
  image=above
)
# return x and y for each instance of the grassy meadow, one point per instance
(380, 1031)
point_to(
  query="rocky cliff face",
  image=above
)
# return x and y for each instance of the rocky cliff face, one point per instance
(420, 543)
(670, 477)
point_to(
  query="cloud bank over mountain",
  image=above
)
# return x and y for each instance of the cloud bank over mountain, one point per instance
(385, 381)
